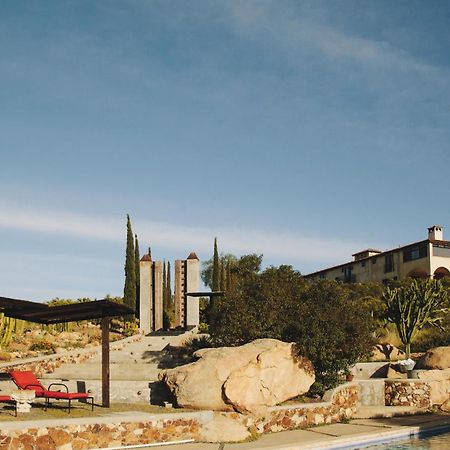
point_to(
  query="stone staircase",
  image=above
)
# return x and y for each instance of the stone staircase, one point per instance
(132, 361)
(134, 368)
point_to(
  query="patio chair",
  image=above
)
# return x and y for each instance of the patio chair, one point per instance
(26, 379)
(8, 399)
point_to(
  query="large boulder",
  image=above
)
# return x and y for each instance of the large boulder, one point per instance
(386, 352)
(435, 358)
(248, 378)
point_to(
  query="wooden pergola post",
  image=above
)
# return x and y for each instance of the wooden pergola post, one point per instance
(105, 361)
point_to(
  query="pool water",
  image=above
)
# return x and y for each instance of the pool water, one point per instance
(436, 442)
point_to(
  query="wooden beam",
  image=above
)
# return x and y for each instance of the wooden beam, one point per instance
(105, 361)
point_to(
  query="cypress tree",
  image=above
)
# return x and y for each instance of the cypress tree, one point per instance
(228, 277)
(168, 286)
(164, 287)
(222, 277)
(137, 270)
(129, 290)
(216, 268)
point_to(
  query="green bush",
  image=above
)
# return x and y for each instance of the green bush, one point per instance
(331, 323)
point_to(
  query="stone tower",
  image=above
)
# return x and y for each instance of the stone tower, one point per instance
(187, 280)
(151, 295)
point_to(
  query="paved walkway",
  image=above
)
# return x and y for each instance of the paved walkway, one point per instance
(334, 436)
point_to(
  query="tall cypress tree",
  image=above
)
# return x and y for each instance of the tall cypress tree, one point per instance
(216, 269)
(164, 289)
(168, 286)
(222, 277)
(228, 280)
(129, 290)
(137, 270)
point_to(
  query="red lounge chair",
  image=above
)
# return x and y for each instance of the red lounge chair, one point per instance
(8, 399)
(27, 380)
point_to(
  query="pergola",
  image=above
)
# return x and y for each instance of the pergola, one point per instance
(74, 312)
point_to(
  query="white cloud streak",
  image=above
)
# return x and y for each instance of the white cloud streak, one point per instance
(280, 245)
(294, 32)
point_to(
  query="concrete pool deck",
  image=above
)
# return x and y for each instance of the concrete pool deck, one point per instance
(340, 435)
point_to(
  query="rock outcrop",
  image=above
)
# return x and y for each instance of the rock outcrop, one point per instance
(247, 379)
(435, 358)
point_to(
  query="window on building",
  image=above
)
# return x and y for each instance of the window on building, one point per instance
(374, 260)
(389, 263)
(417, 252)
(348, 276)
(363, 264)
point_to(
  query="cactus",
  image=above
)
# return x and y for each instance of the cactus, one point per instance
(413, 306)
(8, 325)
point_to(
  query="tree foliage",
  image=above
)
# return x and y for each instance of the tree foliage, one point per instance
(329, 321)
(216, 268)
(137, 271)
(226, 261)
(413, 305)
(129, 290)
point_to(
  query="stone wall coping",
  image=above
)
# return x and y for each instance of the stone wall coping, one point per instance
(131, 417)
(298, 406)
(406, 380)
(55, 356)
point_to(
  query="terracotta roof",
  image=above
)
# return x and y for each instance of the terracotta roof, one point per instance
(192, 255)
(146, 258)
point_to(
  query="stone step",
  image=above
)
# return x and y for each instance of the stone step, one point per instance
(117, 372)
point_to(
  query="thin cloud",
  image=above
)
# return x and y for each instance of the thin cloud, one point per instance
(250, 17)
(279, 245)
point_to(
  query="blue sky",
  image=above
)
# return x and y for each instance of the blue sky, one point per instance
(303, 130)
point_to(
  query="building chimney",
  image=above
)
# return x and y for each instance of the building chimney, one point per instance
(435, 233)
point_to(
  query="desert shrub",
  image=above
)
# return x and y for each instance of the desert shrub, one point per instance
(197, 343)
(44, 346)
(203, 328)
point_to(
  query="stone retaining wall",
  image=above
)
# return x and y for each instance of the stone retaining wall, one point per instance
(342, 403)
(100, 435)
(407, 393)
(102, 432)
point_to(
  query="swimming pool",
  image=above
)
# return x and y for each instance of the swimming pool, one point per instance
(435, 442)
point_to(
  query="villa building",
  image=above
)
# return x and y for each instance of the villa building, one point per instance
(429, 258)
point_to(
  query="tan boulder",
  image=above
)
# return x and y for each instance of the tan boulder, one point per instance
(248, 378)
(394, 372)
(435, 358)
(223, 429)
(446, 406)
(383, 352)
(269, 380)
